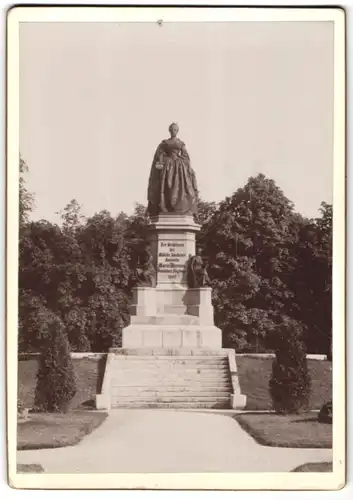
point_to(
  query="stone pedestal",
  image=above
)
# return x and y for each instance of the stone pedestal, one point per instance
(172, 315)
(172, 239)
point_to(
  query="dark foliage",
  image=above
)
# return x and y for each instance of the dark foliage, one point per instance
(325, 413)
(264, 260)
(56, 384)
(290, 384)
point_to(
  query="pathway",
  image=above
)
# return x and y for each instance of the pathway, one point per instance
(170, 441)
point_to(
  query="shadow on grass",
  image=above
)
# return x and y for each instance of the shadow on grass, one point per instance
(90, 404)
(31, 468)
(309, 419)
(314, 467)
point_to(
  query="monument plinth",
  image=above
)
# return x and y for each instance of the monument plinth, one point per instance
(172, 314)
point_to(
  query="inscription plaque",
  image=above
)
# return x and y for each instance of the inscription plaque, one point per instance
(172, 259)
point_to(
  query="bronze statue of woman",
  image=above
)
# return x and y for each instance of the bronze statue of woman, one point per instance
(172, 186)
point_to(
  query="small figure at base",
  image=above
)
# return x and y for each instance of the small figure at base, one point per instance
(145, 270)
(197, 272)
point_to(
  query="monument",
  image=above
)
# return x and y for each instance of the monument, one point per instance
(171, 355)
(173, 310)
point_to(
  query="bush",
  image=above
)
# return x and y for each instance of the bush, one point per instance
(20, 406)
(325, 414)
(56, 384)
(22, 411)
(290, 384)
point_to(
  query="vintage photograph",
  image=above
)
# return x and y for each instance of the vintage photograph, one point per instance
(178, 180)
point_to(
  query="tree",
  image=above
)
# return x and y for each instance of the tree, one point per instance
(247, 243)
(56, 384)
(76, 322)
(26, 199)
(71, 217)
(290, 382)
(106, 290)
(33, 321)
(312, 280)
(205, 211)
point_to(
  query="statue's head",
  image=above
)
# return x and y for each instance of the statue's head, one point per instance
(173, 129)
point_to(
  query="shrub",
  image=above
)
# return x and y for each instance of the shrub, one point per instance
(325, 414)
(56, 384)
(290, 383)
(20, 406)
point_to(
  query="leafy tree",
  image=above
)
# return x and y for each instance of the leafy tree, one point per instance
(76, 322)
(105, 292)
(71, 217)
(26, 199)
(290, 383)
(312, 280)
(56, 384)
(248, 243)
(205, 211)
(33, 319)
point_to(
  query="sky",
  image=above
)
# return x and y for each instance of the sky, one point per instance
(249, 97)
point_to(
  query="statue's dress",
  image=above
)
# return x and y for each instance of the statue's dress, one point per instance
(172, 186)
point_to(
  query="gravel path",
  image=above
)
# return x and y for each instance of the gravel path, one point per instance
(170, 441)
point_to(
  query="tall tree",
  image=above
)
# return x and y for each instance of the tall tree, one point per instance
(26, 199)
(105, 292)
(255, 228)
(72, 219)
(312, 280)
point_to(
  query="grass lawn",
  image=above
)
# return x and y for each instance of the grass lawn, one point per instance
(314, 467)
(89, 374)
(255, 374)
(289, 431)
(54, 430)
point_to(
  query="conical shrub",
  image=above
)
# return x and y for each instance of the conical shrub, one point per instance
(290, 384)
(56, 384)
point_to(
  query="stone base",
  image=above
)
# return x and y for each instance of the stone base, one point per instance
(171, 336)
(238, 401)
(156, 302)
(103, 401)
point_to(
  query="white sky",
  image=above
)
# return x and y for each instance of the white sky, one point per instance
(96, 99)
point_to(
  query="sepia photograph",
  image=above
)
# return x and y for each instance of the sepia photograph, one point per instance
(176, 248)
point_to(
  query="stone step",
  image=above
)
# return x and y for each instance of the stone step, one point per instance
(173, 375)
(179, 405)
(166, 319)
(171, 359)
(151, 380)
(170, 351)
(224, 387)
(169, 364)
(190, 392)
(186, 398)
(193, 387)
(188, 372)
(172, 378)
(160, 385)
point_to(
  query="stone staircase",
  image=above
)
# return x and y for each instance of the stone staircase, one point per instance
(166, 379)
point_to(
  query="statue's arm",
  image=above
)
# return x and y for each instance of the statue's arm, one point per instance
(184, 152)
